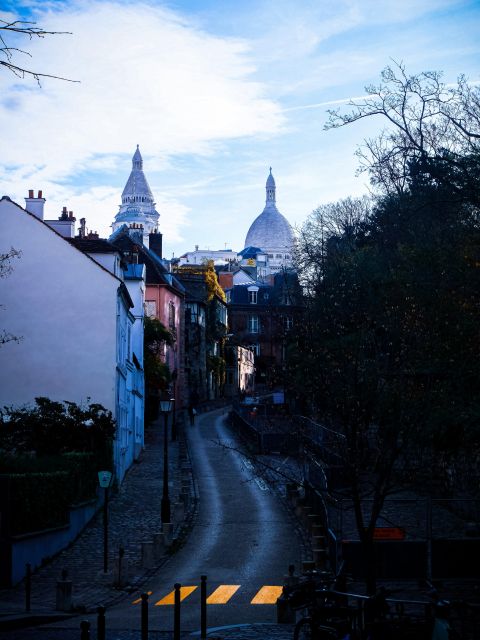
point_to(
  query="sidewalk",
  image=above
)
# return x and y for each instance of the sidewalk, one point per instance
(134, 516)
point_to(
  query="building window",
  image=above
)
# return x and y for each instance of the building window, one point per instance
(171, 315)
(255, 348)
(253, 324)
(252, 296)
(288, 323)
(151, 308)
(279, 255)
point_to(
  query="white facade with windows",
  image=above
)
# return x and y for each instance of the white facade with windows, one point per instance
(76, 327)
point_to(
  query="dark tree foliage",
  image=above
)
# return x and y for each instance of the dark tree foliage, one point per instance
(157, 373)
(51, 428)
(389, 354)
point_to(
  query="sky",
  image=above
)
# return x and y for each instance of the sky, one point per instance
(214, 92)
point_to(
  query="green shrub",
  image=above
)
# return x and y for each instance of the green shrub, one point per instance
(52, 428)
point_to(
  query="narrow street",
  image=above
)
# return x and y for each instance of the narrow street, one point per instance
(241, 540)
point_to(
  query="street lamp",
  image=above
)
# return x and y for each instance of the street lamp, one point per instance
(165, 408)
(174, 416)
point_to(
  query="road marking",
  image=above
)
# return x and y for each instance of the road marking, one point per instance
(222, 594)
(170, 599)
(138, 600)
(267, 595)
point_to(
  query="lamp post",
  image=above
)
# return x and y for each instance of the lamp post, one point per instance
(174, 415)
(165, 408)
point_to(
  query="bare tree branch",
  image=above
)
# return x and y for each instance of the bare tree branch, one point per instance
(25, 28)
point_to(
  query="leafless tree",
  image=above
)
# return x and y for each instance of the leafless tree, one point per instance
(425, 120)
(10, 53)
(341, 218)
(6, 269)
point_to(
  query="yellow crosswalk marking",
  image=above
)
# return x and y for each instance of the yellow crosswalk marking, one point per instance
(170, 599)
(222, 594)
(138, 600)
(267, 595)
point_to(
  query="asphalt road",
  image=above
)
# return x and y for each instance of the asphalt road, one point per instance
(242, 540)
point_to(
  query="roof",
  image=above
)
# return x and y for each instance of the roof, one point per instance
(250, 252)
(156, 270)
(93, 245)
(68, 240)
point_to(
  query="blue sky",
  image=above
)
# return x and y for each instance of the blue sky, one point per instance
(214, 93)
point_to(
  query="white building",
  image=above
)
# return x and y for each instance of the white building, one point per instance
(138, 206)
(78, 322)
(270, 239)
(201, 256)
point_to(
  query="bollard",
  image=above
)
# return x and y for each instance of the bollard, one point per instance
(85, 630)
(101, 623)
(144, 628)
(63, 600)
(176, 612)
(158, 546)
(290, 579)
(121, 553)
(148, 560)
(28, 586)
(167, 533)
(203, 607)
(179, 512)
(285, 613)
(185, 498)
(120, 569)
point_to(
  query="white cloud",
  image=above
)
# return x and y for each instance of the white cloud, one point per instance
(147, 76)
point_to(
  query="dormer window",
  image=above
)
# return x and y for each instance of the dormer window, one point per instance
(252, 295)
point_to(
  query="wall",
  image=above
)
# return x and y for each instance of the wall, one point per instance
(35, 547)
(163, 296)
(62, 305)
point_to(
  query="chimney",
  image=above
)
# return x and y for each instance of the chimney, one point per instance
(155, 243)
(225, 280)
(64, 225)
(135, 232)
(82, 232)
(35, 205)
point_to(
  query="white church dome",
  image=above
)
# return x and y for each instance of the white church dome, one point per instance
(270, 231)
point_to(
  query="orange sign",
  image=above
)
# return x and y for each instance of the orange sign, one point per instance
(389, 533)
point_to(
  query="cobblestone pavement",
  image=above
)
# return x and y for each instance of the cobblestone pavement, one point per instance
(134, 516)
